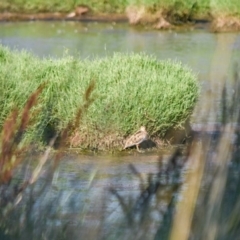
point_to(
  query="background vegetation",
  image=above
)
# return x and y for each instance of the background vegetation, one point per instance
(189, 7)
(131, 90)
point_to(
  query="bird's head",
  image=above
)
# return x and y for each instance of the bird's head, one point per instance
(143, 129)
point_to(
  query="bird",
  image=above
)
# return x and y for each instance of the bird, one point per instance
(137, 138)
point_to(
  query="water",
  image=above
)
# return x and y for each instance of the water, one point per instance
(81, 186)
(193, 47)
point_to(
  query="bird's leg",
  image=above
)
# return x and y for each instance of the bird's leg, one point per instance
(138, 148)
(140, 151)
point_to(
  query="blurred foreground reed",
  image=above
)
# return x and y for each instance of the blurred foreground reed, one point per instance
(14, 155)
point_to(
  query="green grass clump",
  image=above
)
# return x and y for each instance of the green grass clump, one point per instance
(131, 90)
(176, 8)
(221, 7)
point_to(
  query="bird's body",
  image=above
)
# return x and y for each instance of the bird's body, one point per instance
(137, 138)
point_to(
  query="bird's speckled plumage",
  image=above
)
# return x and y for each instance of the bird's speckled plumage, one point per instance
(137, 138)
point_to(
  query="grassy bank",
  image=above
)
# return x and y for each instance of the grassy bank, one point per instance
(225, 15)
(114, 6)
(190, 8)
(110, 6)
(130, 90)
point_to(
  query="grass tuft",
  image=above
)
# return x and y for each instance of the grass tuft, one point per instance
(130, 90)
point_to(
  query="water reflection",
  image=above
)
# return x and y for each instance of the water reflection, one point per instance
(99, 39)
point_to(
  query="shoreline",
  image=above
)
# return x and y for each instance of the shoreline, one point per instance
(214, 24)
(57, 16)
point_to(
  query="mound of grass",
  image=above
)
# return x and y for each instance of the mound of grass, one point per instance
(130, 90)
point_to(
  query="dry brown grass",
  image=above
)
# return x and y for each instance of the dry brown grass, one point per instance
(12, 134)
(225, 24)
(142, 15)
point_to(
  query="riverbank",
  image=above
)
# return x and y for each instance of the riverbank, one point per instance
(128, 91)
(220, 16)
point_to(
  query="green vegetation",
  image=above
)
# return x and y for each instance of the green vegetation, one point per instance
(224, 15)
(222, 7)
(62, 6)
(130, 90)
(189, 7)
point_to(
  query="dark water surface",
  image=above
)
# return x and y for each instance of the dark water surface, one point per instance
(82, 185)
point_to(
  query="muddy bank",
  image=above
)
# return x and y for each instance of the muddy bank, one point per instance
(7, 16)
(160, 20)
(225, 24)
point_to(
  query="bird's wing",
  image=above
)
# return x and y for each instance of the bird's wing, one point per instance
(134, 139)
